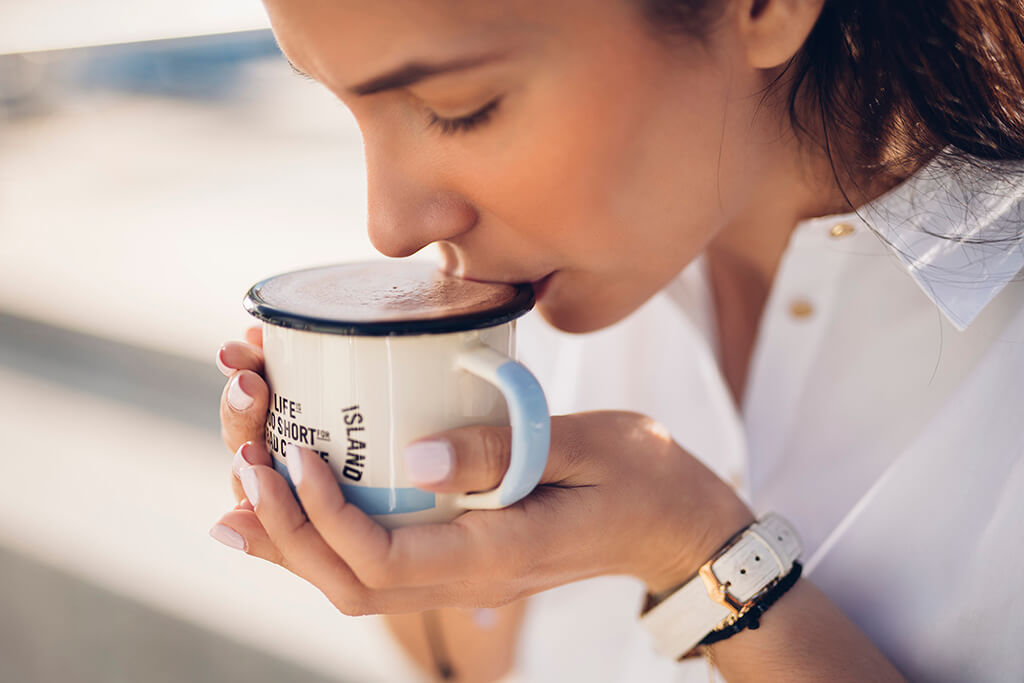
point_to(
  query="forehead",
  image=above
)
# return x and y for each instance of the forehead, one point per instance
(341, 41)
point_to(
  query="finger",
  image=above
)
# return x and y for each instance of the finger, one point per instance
(254, 335)
(467, 459)
(249, 453)
(243, 409)
(279, 533)
(303, 550)
(234, 356)
(476, 458)
(343, 526)
(241, 529)
(405, 557)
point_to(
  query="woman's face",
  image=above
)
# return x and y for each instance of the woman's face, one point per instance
(558, 142)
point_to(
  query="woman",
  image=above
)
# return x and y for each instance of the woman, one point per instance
(598, 149)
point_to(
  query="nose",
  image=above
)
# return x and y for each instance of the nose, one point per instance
(407, 209)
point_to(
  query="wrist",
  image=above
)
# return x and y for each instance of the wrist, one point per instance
(689, 540)
(731, 592)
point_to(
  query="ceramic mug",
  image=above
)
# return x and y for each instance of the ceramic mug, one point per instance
(362, 359)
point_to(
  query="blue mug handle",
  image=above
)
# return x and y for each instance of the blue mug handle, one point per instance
(531, 427)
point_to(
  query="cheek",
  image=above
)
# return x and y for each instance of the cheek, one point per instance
(598, 162)
(637, 185)
(537, 175)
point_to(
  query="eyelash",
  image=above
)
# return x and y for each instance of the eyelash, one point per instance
(463, 124)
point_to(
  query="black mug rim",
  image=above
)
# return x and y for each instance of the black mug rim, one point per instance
(518, 305)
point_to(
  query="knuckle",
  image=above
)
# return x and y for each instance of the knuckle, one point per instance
(322, 506)
(493, 448)
(571, 443)
(512, 594)
(232, 437)
(649, 424)
(345, 605)
(277, 557)
(653, 434)
(353, 604)
(376, 575)
(382, 569)
(575, 454)
(236, 489)
(273, 556)
(639, 423)
(295, 526)
(226, 437)
(498, 597)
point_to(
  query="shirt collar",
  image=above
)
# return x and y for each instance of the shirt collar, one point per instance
(957, 229)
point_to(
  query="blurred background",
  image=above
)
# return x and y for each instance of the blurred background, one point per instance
(156, 158)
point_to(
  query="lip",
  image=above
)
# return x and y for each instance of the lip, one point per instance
(534, 282)
(540, 287)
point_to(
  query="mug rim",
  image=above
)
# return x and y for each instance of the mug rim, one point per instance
(516, 306)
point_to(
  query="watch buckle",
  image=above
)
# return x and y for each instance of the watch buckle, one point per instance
(719, 592)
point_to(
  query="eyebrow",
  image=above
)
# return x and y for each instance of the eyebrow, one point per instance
(412, 72)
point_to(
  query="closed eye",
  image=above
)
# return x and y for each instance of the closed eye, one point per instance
(463, 124)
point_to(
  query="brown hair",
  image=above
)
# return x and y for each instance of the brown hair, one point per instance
(916, 76)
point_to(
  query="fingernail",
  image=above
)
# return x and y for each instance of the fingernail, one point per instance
(240, 460)
(224, 368)
(237, 398)
(428, 462)
(293, 457)
(228, 536)
(250, 484)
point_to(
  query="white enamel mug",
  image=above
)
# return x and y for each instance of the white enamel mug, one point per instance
(362, 359)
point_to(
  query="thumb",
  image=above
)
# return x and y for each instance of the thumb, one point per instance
(473, 459)
(461, 460)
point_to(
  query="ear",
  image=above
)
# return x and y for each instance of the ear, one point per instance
(774, 30)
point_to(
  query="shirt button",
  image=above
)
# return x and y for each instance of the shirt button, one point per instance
(801, 308)
(841, 230)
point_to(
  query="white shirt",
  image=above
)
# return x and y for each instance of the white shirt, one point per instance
(883, 417)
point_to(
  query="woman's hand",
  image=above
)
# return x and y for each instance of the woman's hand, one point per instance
(245, 399)
(618, 496)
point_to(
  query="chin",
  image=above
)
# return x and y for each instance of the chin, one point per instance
(579, 318)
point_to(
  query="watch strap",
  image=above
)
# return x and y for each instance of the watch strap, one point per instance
(752, 619)
(725, 587)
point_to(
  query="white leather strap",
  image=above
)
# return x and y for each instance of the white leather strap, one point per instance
(764, 552)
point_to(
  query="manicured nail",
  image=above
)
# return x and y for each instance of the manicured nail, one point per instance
(250, 484)
(293, 457)
(428, 462)
(224, 368)
(240, 460)
(228, 536)
(237, 398)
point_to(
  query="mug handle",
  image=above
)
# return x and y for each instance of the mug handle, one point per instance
(531, 426)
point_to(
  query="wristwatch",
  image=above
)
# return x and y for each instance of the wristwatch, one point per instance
(725, 588)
